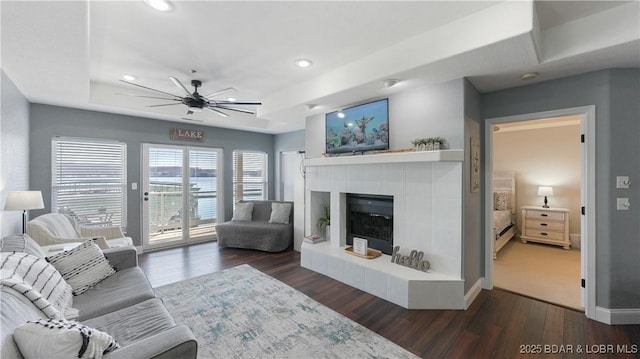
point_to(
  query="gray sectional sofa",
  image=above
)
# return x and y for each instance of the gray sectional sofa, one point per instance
(122, 305)
(257, 233)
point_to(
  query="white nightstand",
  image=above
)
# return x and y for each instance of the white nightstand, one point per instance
(546, 225)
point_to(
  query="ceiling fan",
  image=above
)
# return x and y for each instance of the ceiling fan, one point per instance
(195, 101)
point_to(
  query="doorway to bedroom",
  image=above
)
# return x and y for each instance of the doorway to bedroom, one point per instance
(538, 249)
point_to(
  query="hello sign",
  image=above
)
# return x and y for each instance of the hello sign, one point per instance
(413, 260)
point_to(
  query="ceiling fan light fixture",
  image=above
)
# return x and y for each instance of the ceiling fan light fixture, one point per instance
(390, 82)
(160, 5)
(304, 63)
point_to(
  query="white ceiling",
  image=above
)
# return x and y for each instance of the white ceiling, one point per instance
(72, 53)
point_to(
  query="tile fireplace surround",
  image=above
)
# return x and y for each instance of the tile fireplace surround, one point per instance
(427, 203)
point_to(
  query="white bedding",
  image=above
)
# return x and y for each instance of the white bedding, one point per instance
(501, 220)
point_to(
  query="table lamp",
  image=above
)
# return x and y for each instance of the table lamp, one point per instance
(23, 201)
(545, 191)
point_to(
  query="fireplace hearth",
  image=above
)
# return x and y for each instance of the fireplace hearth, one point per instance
(370, 217)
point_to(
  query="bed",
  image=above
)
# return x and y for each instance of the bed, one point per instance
(504, 209)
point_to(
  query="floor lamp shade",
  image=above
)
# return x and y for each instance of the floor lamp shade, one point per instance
(24, 201)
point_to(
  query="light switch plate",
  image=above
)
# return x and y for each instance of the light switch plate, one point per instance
(623, 204)
(134, 186)
(622, 182)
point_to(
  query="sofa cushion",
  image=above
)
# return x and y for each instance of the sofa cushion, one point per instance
(125, 288)
(135, 322)
(270, 237)
(242, 211)
(83, 266)
(59, 338)
(21, 243)
(280, 212)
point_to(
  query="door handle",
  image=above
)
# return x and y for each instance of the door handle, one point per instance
(146, 198)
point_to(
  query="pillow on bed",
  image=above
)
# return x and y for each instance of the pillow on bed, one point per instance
(502, 201)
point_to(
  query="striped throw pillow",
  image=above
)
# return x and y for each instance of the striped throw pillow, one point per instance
(39, 282)
(82, 267)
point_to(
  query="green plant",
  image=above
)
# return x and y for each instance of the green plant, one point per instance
(326, 219)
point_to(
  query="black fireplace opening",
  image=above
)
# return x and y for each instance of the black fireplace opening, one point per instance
(371, 217)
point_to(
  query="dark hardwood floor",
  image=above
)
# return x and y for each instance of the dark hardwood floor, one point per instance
(498, 324)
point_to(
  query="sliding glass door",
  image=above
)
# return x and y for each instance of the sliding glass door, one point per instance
(180, 201)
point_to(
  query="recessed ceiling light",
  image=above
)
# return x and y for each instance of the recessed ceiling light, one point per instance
(160, 5)
(529, 76)
(231, 99)
(129, 77)
(303, 63)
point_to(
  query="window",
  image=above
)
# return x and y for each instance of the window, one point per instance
(249, 176)
(89, 180)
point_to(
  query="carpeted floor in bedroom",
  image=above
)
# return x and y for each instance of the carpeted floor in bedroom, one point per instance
(540, 271)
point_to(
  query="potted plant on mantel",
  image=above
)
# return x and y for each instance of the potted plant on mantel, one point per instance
(325, 222)
(428, 143)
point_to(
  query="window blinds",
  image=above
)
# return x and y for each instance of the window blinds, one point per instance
(89, 180)
(249, 176)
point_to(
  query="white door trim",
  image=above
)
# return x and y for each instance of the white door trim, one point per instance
(588, 194)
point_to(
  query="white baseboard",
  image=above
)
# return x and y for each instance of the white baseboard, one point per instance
(472, 293)
(617, 316)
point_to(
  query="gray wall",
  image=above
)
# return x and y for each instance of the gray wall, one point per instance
(473, 246)
(427, 111)
(14, 152)
(615, 94)
(50, 121)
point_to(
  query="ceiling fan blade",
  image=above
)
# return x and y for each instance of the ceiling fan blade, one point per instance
(216, 111)
(236, 109)
(223, 91)
(181, 86)
(159, 98)
(149, 88)
(164, 104)
(239, 102)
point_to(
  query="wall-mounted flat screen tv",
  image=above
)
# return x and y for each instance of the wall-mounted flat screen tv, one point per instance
(359, 128)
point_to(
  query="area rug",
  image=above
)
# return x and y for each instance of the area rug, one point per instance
(241, 312)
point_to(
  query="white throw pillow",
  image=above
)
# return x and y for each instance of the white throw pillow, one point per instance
(243, 211)
(62, 339)
(82, 267)
(280, 213)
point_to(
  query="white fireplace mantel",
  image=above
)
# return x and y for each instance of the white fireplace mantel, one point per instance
(427, 189)
(392, 157)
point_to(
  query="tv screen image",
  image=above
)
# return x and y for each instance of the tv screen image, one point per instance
(359, 128)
